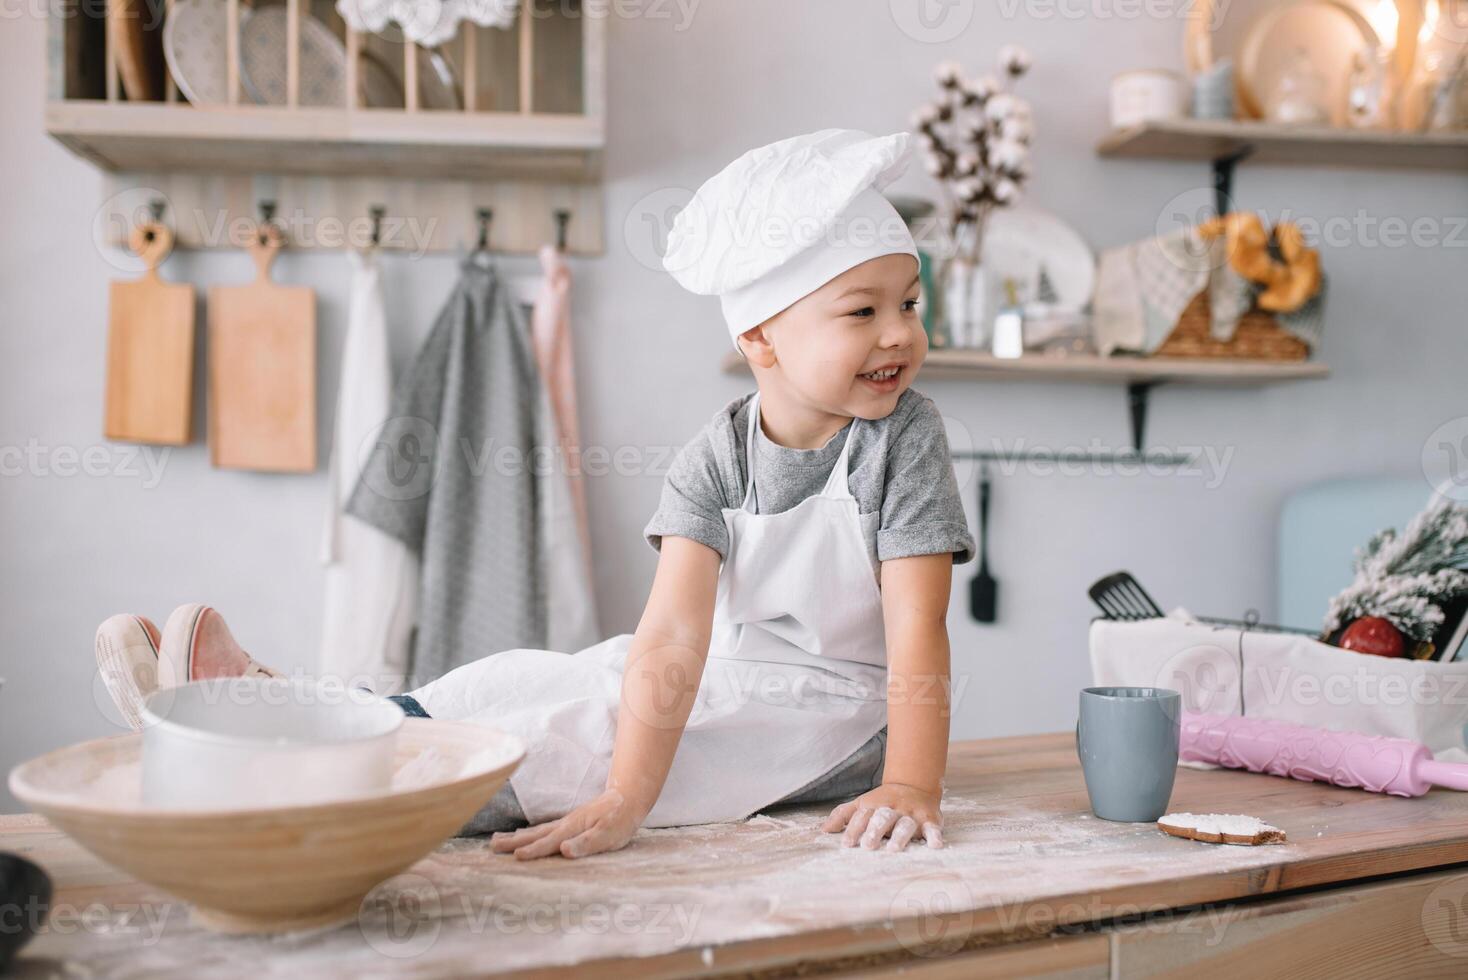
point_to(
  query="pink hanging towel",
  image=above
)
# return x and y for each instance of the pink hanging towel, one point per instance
(573, 610)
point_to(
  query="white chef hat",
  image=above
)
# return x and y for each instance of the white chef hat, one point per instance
(785, 219)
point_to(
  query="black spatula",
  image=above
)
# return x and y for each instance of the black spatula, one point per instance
(1122, 597)
(983, 591)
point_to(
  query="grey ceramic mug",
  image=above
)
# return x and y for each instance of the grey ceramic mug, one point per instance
(1127, 738)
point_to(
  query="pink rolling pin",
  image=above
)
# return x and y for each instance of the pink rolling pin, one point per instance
(1397, 766)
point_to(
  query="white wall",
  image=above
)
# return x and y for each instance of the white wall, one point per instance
(685, 97)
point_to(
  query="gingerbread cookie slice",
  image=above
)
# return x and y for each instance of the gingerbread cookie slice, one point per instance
(1220, 828)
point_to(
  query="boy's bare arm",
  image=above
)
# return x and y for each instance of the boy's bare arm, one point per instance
(659, 686)
(906, 805)
(664, 669)
(915, 609)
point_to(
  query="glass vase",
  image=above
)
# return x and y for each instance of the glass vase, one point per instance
(967, 313)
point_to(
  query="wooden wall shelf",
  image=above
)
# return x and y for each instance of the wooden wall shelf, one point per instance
(976, 365)
(1210, 140)
(177, 138)
(1139, 374)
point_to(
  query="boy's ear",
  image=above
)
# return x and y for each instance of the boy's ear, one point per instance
(755, 345)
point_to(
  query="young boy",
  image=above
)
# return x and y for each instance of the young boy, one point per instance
(769, 664)
(794, 646)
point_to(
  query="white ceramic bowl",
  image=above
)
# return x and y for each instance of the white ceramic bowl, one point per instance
(238, 743)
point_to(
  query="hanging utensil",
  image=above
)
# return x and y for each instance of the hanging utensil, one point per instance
(983, 590)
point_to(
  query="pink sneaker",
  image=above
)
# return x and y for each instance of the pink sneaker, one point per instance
(127, 658)
(198, 646)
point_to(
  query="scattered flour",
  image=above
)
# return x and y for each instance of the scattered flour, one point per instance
(698, 888)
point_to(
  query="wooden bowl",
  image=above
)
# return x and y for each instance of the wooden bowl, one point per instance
(278, 869)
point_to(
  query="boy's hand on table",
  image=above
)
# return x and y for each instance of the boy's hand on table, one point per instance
(606, 823)
(892, 810)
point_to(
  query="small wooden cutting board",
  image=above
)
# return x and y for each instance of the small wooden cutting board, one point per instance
(150, 349)
(262, 370)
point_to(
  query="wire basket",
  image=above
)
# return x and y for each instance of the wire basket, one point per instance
(1258, 337)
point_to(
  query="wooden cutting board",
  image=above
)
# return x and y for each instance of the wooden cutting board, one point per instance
(135, 32)
(262, 370)
(150, 350)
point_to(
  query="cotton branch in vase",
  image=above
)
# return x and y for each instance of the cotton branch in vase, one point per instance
(977, 140)
(1407, 578)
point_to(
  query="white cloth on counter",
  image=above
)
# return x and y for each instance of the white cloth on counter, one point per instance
(784, 219)
(1286, 677)
(371, 578)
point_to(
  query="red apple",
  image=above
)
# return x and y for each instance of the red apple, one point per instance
(1374, 635)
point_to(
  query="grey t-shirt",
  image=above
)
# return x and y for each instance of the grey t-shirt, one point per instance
(899, 465)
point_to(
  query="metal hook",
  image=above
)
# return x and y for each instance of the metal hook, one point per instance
(563, 218)
(378, 212)
(267, 217)
(155, 208)
(485, 215)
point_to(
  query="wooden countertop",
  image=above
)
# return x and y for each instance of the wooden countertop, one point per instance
(1025, 857)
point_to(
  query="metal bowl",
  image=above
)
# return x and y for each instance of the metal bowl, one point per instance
(253, 742)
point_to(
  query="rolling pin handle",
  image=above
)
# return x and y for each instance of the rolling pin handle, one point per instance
(1446, 774)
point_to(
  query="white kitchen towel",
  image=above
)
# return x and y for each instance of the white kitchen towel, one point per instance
(1286, 677)
(371, 577)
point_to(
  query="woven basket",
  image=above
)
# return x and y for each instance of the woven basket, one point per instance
(1259, 337)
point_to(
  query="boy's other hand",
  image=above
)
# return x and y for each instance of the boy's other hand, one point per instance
(892, 812)
(606, 823)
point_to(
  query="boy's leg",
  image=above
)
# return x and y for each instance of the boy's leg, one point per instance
(409, 704)
(502, 812)
(862, 771)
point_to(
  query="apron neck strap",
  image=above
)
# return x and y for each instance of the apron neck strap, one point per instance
(837, 484)
(750, 452)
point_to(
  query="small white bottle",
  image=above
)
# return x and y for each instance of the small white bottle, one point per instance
(1009, 326)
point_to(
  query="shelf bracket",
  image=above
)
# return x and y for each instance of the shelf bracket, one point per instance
(1223, 177)
(1137, 393)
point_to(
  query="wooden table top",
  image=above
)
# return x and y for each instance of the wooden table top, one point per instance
(1025, 856)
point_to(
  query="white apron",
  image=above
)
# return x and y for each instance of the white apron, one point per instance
(794, 683)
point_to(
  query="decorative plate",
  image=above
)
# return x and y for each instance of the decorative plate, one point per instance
(263, 60)
(195, 45)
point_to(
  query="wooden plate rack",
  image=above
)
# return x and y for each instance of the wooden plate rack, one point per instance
(527, 140)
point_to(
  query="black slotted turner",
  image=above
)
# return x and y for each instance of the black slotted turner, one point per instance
(1122, 597)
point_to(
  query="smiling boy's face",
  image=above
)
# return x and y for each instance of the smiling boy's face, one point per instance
(852, 347)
